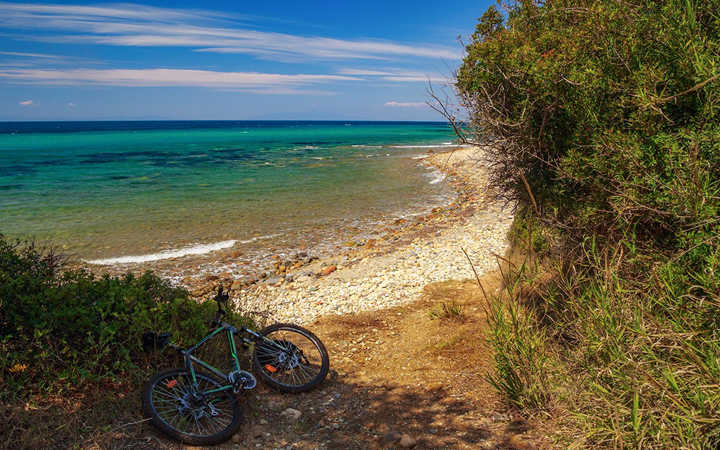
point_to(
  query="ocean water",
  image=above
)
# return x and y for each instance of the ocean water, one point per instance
(140, 191)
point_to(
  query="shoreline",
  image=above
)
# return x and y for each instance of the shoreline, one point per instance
(248, 260)
(394, 271)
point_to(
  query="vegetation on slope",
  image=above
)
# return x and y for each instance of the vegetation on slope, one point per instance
(62, 330)
(606, 119)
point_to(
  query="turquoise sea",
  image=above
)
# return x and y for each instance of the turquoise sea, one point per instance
(104, 190)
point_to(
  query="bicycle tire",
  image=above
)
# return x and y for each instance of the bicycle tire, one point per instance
(151, 398)
(261, 355)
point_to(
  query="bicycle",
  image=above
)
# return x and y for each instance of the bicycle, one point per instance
(200, 408)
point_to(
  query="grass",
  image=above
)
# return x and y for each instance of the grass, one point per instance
(624, 360)
(450, 310)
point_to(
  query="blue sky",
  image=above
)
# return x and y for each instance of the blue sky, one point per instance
(366, 60)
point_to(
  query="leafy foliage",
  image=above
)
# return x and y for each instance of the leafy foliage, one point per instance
(61, 328)
(606, 119)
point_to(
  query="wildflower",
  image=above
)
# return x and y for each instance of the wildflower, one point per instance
(18, 368)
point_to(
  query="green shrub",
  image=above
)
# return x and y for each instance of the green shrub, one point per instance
(60, 328)
(606, 119)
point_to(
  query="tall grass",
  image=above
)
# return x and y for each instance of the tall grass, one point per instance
(632, 357)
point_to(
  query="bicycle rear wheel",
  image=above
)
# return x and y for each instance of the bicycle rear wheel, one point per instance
(294, 359)
(175, 409)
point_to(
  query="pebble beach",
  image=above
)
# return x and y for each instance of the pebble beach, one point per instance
(388, 272)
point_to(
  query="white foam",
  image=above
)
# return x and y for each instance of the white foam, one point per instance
(198, 249)
(436, 176)
(420, 157)
(257, 238)
(443, 145)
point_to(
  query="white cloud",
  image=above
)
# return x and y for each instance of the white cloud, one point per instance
(167, 77)
(71, 105)
(205, 31)
(30, 55)
(394, 104)
(26, 103)
(397, 75)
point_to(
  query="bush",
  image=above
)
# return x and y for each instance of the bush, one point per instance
(60, 328)
(606, 119)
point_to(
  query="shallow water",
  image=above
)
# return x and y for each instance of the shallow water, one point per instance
(118, 189)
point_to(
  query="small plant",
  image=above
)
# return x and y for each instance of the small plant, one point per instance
(448, 311)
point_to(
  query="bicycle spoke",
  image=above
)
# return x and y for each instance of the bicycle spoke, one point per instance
(298, 362)
(183, 408)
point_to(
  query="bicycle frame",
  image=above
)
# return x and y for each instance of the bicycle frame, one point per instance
(230, 331)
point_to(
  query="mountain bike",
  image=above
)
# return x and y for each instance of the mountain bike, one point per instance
(201, 408)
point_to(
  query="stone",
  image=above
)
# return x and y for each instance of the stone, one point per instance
(291, 415)
(256, 431)
(328, 270)
(407, 442)
(391, 438)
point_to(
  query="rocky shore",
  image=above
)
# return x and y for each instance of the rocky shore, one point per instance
(392, 270)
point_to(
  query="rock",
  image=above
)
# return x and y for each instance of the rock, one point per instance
(237, 438)
(275, 280)
(517, 443)
(256, 432)
(291, 414)
(406, 441)
(237, 284)
(235, 254)
(328, 270)
(391, 438)
(518, 425)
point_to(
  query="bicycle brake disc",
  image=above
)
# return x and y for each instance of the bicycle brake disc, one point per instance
(242, 379)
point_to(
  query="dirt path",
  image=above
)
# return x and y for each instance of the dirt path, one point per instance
(409, 376)
(400, 377)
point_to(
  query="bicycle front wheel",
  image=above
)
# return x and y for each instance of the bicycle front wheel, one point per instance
(188, 415)
(290, 358)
